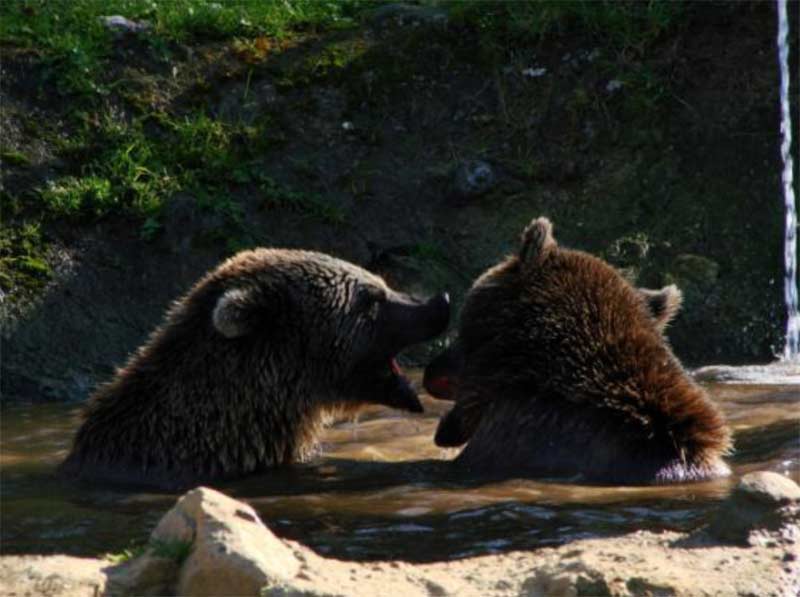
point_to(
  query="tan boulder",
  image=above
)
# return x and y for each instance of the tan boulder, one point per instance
(232, 552)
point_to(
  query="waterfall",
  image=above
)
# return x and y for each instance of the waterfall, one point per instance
(791, 351)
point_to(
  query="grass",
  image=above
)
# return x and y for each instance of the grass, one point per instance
(23, 267)
(174, 550)
(74, 45)
(627, 25)
(132, 168)
(131, 162)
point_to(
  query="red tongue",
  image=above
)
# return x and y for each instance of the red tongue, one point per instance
(439, 387)
(395, 367)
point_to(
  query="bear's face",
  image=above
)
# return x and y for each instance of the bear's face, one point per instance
(332, 316)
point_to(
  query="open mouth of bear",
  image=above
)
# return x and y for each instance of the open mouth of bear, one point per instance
(397, 390)
(406, 386)
(442, 374)
(402, 323)
(383, 381)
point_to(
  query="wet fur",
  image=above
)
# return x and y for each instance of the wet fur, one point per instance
(239, 378)
(566, 372)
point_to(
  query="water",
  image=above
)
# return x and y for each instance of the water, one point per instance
(381, 490)
(791, 351)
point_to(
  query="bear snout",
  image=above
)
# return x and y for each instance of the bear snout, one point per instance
(442, 374)
(405, 321)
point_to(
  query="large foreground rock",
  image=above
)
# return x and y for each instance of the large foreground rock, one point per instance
(233, 553)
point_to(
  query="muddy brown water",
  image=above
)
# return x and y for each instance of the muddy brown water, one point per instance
(380, 489)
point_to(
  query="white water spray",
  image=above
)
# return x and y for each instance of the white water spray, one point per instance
(791, 351)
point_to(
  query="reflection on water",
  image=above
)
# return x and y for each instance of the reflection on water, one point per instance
(381, 490)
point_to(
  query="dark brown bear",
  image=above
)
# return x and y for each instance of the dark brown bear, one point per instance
(561, 369)
(247, 366)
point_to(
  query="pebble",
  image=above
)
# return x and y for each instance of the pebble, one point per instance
(120, 23)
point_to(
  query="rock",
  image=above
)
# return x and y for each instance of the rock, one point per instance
(120, 23)
(146, 575)
(473, 179)
(534, 73)
(768, 488)
(233, 553)
(762, 501)
(781, 373)
(53, 576)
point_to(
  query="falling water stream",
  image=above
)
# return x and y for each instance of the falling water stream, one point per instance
(791, 351)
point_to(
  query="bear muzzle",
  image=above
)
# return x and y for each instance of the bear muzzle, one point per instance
(404, 321)
(443, 373)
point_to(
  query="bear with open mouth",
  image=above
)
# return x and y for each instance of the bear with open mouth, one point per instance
(247, 367)
(561, 369)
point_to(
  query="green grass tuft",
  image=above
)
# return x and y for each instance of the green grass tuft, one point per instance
(23, 266)
(173, 549)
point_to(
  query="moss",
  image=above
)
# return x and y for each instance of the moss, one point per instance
(325, 61)
(14, 157)
(175, 550)
(694, 270)
(24, 270)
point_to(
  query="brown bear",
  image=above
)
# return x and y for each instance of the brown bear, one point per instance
(247, 366)
(561, 369)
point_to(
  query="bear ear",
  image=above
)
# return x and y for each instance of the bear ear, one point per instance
(537, 240)
(235, 313)
(662, 304)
